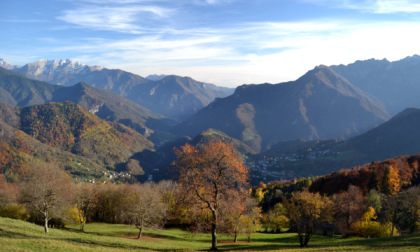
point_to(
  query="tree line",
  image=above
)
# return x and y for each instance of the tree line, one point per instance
(212, 194)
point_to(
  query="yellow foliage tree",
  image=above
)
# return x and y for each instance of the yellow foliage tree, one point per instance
(391, 181)
(304, 209)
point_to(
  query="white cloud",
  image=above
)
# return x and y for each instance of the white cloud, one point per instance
(395, 6)
(120, 19)
(239, 53)
(373, 6)
(254, 53)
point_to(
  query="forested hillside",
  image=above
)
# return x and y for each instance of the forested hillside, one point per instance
(20, 91)
(65, 133)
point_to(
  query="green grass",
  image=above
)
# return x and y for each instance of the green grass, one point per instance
(22, 236)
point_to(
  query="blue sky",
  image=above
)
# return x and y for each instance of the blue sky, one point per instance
(226, 42)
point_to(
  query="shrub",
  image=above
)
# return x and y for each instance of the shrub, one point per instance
(14, 211)
(372, 229)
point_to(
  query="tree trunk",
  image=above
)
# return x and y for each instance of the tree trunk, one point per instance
(213, 231)
(394, 217)
(82, 223)
(392, 229)
(140, 231)
(249, 237)
(235, 239)
(301, 240)
(46, 221)
(307, 237)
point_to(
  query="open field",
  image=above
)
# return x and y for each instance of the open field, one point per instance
(17, 235)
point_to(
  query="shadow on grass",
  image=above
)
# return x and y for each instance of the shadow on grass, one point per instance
(395, 241)
(106, 244)
(411, 242)
(254, 247)
(131, 233)
(284, 240)
(15, 235)
(81, 240)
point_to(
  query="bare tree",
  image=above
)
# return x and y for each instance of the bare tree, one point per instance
(45, 189)
(143, 207)
(86, 199)
(349, 208)
(240, 214)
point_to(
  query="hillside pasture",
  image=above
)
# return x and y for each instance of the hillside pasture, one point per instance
(18, 235)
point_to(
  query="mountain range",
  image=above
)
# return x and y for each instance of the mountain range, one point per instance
(395, 84)
(18, 90)
(352, 111)
(320, 104)
(172, 96)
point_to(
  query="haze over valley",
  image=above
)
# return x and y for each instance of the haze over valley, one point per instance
(330, 118)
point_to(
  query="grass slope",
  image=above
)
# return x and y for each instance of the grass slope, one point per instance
(17, 235)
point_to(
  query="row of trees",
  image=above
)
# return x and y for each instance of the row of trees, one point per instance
(348, 212)
(212, 194)
(47, 193)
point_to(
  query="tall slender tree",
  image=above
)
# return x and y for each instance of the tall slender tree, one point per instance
(391, 182)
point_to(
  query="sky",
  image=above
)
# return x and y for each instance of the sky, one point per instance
(225, 42)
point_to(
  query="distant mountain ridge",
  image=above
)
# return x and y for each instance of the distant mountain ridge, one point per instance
(156, 77)
(320, 104)
(396, 84)
(18, 90)
(172, 96)
(7, 65)
(398, 136)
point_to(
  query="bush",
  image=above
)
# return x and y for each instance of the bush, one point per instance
(372, 229)
(14, 211)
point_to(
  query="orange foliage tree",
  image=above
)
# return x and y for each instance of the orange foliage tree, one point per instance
(212, 174)
(391, 181)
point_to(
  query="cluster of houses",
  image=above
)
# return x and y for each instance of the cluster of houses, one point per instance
(282, 166)
(269, 170)
(108, 175)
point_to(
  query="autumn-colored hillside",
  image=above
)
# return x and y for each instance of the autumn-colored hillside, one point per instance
(66, 134)
(17, 90)
(71, 128)
(387, 176)
(13, 156)
(18, 152)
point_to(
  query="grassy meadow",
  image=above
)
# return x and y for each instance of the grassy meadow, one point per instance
(18, 235)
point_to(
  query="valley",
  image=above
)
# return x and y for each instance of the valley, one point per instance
(156, 125)
(325, 121)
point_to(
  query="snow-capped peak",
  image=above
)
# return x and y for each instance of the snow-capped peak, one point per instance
(6, 64)
(56, 67)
